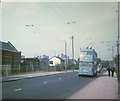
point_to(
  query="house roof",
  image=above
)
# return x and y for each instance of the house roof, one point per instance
(7, 46)
(57, 57)
(30, 59)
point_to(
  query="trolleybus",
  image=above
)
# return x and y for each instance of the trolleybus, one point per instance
(87, 62)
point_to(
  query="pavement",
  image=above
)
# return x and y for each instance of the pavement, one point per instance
(28, 75)
(119, 90)
(103, 87)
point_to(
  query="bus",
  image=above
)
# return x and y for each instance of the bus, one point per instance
(87, 62)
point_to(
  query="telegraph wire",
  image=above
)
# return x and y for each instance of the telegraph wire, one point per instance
(13, 17)
(55, 12)
(70, 20)
(17, 20)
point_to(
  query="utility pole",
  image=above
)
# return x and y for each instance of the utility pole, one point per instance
(73, 51)
(118, 44)
(113, 56)
(65, 57)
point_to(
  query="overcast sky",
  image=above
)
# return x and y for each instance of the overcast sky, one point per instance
(48, 28)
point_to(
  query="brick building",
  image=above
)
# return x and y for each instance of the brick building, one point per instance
(10, 58)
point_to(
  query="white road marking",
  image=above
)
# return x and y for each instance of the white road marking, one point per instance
(18, 89)
(60, 78)
(45, 82)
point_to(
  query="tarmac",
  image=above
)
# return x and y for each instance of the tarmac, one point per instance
(103, 87)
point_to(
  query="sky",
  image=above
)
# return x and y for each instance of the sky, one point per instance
(37, 28)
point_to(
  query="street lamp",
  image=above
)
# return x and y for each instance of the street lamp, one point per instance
(65, 57)
(118, 44)
(72, 38)
(112, 55)
(73, 51)
(29, 25)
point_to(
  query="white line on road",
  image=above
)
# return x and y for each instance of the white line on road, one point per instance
(45, 82)
(60, 78)
(18, 89)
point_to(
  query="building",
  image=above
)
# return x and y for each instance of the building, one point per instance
(55, 61)
(44, 61)
(10, 58)
(30, 64)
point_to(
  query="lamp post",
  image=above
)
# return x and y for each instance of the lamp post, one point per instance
(65, 57)
(72, 22)
(112, 56)
(118, 45)
(73, 51)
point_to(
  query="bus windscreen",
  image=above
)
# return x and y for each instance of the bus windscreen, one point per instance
(86, 64)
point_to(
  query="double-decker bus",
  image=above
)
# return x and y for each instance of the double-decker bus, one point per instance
(87, 62)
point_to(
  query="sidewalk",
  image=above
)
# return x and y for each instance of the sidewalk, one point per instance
(29, 75)
(102, 87)
(119, 90)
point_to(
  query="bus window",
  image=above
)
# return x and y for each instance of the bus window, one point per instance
(83, 53)
(89, 53)
(86, 53)
(86, 64)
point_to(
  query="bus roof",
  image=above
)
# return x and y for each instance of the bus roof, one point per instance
(86, 49)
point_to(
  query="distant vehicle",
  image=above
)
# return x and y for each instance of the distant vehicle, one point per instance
(99, 68)
(87, 62)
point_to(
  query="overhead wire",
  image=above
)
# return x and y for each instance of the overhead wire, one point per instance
(13, 17)
(16, 20)
(20, 21)
(70, 20)
(55, 12)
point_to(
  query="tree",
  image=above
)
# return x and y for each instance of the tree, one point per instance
(105, 64)
(98, 61)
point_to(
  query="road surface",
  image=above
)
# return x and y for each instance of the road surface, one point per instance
(58, 86)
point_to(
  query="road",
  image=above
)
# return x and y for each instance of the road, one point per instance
(58, 86)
